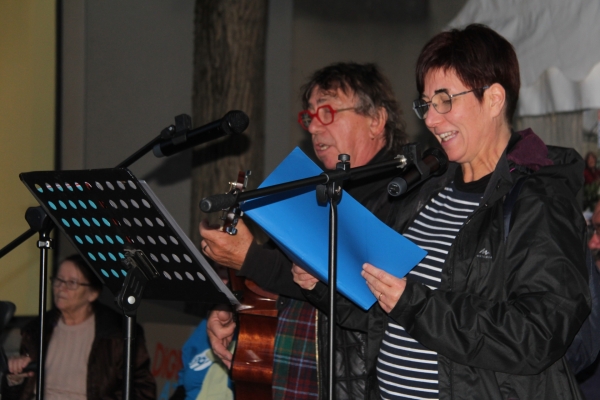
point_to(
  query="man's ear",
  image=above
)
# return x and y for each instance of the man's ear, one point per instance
(378, 122)
(495, 97)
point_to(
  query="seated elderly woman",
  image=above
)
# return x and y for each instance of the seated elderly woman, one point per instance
(83, 342)
(491, 310)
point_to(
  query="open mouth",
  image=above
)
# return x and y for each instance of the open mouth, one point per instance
(447, 136)
(321, 147)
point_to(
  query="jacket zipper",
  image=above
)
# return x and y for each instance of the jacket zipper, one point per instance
(451, 273)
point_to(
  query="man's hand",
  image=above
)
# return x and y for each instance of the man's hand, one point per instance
(227, 250)
(303, 278)
(385, 287)
(220, 329)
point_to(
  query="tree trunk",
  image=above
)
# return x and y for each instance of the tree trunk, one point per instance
(229, 73)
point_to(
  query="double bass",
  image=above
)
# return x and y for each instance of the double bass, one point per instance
(252, 365)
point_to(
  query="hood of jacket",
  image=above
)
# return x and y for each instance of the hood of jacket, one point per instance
(527, 151)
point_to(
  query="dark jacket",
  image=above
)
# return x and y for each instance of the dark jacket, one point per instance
(267, 266)
(105, 362)
(505, 313)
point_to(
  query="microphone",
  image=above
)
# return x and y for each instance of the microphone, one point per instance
(433, 163)
(233, 122)
(217, 202)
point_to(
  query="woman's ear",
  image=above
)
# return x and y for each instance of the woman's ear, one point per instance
(93, 295)
(378, 123)
(496, 98)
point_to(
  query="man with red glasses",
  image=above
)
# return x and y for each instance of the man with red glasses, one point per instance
(349, 109)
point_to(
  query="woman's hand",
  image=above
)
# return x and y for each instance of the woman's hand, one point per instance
(385, 287)
(17, 364)
(303, 278)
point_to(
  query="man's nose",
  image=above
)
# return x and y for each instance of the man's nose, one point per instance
(315, 126)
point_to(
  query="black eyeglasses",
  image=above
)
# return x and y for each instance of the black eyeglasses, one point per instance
(442, 102)
(71, 285)
(324, 114)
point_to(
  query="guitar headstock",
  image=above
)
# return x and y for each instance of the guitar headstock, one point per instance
(230, 216)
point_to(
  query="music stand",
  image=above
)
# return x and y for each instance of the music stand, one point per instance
(129, 240)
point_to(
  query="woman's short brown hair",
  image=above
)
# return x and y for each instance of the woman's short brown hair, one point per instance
(86, 271)
(479, 56)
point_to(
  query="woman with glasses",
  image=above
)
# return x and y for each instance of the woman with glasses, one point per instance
(83, 344)
(491, 310)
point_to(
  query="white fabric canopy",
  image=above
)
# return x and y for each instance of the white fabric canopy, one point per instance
(558, 46)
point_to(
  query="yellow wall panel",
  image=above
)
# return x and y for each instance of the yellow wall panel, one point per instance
(27, 120)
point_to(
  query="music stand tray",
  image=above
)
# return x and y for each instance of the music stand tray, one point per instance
(108, 214)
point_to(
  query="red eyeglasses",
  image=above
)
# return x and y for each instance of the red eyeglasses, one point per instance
(324, 115)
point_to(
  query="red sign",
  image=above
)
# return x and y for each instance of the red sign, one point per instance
(166, 362)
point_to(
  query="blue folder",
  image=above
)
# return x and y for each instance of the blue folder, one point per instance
(300, 227)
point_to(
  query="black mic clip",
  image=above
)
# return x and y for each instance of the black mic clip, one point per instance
(418, 168)
(412, 152)
(183, 124)
(177, 132)
(327, 191)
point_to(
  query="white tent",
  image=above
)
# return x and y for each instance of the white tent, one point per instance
(558, 46)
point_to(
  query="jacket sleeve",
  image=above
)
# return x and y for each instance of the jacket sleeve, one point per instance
(348, 314)
(270, 269)
(524, 322)
(29, 345)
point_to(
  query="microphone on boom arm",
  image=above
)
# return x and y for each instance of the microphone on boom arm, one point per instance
(234, 122)
(433, 163)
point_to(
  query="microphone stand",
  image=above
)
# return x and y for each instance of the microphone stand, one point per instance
(38, 222)
(334, 194)
(182, 122)
(140, 273)
(329, 186)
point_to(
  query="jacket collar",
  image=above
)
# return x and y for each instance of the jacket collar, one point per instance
(525, 153)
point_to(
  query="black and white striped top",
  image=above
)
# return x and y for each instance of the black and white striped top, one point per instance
(405, 368)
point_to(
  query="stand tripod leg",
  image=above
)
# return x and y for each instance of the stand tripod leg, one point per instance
(334, 192)
(140, 271)
(44, 244)
(129, 349)
(332, 292)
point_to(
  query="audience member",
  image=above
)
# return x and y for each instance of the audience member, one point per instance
(203, 376)
(84, 344)
(591, 173)
(591, 186)
(589, 379)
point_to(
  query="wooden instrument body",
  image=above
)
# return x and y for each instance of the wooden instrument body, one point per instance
(252, 366)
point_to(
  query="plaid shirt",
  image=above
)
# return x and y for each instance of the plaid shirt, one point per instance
(295, 362)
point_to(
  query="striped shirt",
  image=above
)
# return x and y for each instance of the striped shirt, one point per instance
(405, 368)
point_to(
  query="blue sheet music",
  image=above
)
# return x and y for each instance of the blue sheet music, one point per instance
(300, 227)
